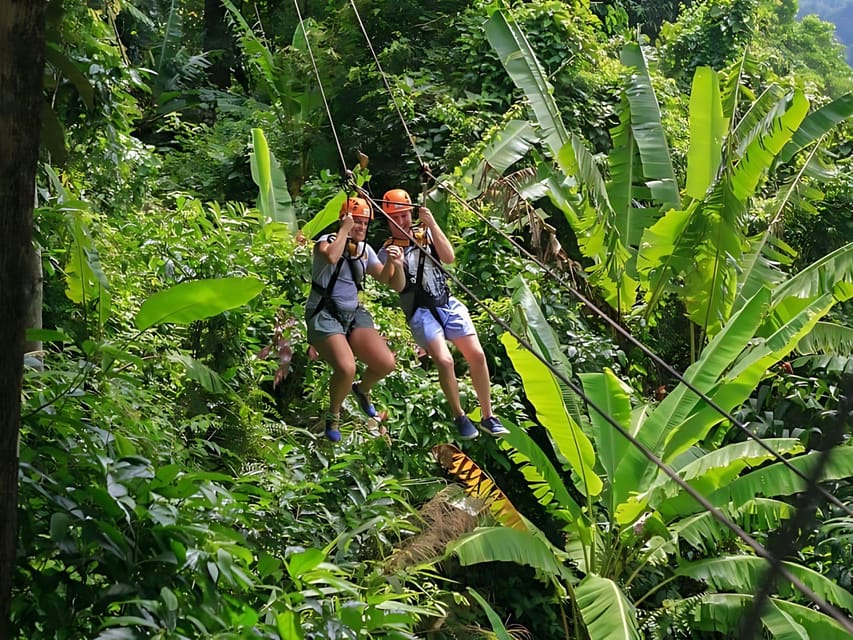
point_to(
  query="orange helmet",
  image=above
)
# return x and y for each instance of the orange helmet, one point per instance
(357, 208)
(396, 201)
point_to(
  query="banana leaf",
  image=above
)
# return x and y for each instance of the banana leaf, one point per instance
(614, 397)
(707, 534)
(775, 130)
(544, 393)
(274, 200)
(196, 300)
(816, 124)
(606, 611)
(707, 128)
(648, 131)
(719, 467)
(541, 475)
(746, 574)
(519, 60)
(502, 544)
(724, 612)
(636, 470)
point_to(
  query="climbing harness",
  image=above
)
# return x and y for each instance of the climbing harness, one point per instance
(326, 299)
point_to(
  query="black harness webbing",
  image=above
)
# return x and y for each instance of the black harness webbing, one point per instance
(326, 300)
(422, 298)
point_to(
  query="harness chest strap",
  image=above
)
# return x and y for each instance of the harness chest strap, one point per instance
(326, 300)
(422, 298)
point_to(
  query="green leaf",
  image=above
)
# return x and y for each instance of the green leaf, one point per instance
(47, 335)
(613, 396)
(543, 392)
(274, 199)
(85, 280)
(288, 626)
(196, 300)
(300, 563)
(707, 128)
(746, 574)
(607, 613)
(520, 62)
(774, 131)
(648, 130)
(723, 613)
(329, 214)
(543, 478)
(817, 124)
(497, 626)
(201, 373)
(503, 544)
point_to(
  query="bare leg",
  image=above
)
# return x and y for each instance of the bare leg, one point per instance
(336, 351)
(471, 350)
(440, 354)
(370, 347)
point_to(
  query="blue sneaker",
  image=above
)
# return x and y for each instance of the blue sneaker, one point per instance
(466, 428)
(364, 402)
(332, 431)
(493, 427)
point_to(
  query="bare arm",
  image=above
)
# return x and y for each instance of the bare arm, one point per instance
(443, 248)
(332, 251)
(391, 272)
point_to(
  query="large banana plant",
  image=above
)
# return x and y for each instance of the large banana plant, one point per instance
(646, 239)
(633, 521)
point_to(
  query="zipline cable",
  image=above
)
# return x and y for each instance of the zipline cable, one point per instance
(387, 84)
(646, 350)
(673, 475)
(320, 85)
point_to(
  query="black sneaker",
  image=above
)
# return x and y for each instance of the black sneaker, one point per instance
(363, 402)
(466, 428)
(332, 431)
(493, 427)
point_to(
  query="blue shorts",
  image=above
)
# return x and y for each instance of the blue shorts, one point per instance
(455, 323)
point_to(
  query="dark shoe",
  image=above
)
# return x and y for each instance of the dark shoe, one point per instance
(493, 427)
(332, 431)
(466, 428)
(364, 402)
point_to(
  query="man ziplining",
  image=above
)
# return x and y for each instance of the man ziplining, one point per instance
(433, 314)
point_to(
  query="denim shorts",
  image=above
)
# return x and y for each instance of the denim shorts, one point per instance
(324, 324)
(455, 323)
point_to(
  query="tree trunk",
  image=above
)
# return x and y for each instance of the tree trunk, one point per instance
(22, 26)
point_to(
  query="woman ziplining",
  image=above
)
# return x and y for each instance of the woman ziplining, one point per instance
(339, 327)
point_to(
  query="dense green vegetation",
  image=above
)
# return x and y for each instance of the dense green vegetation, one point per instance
(687, 169)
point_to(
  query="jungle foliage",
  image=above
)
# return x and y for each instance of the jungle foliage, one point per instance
(678, 179)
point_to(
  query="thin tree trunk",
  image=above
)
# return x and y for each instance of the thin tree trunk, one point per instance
(22, 27)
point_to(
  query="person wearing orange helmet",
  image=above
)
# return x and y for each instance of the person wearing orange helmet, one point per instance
(433, 314)
(339, 328)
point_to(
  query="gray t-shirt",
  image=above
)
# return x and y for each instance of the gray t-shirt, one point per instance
(345, 292)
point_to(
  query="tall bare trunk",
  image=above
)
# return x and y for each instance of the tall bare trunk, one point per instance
(22, 26)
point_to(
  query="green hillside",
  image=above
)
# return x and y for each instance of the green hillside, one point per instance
(839, 12)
